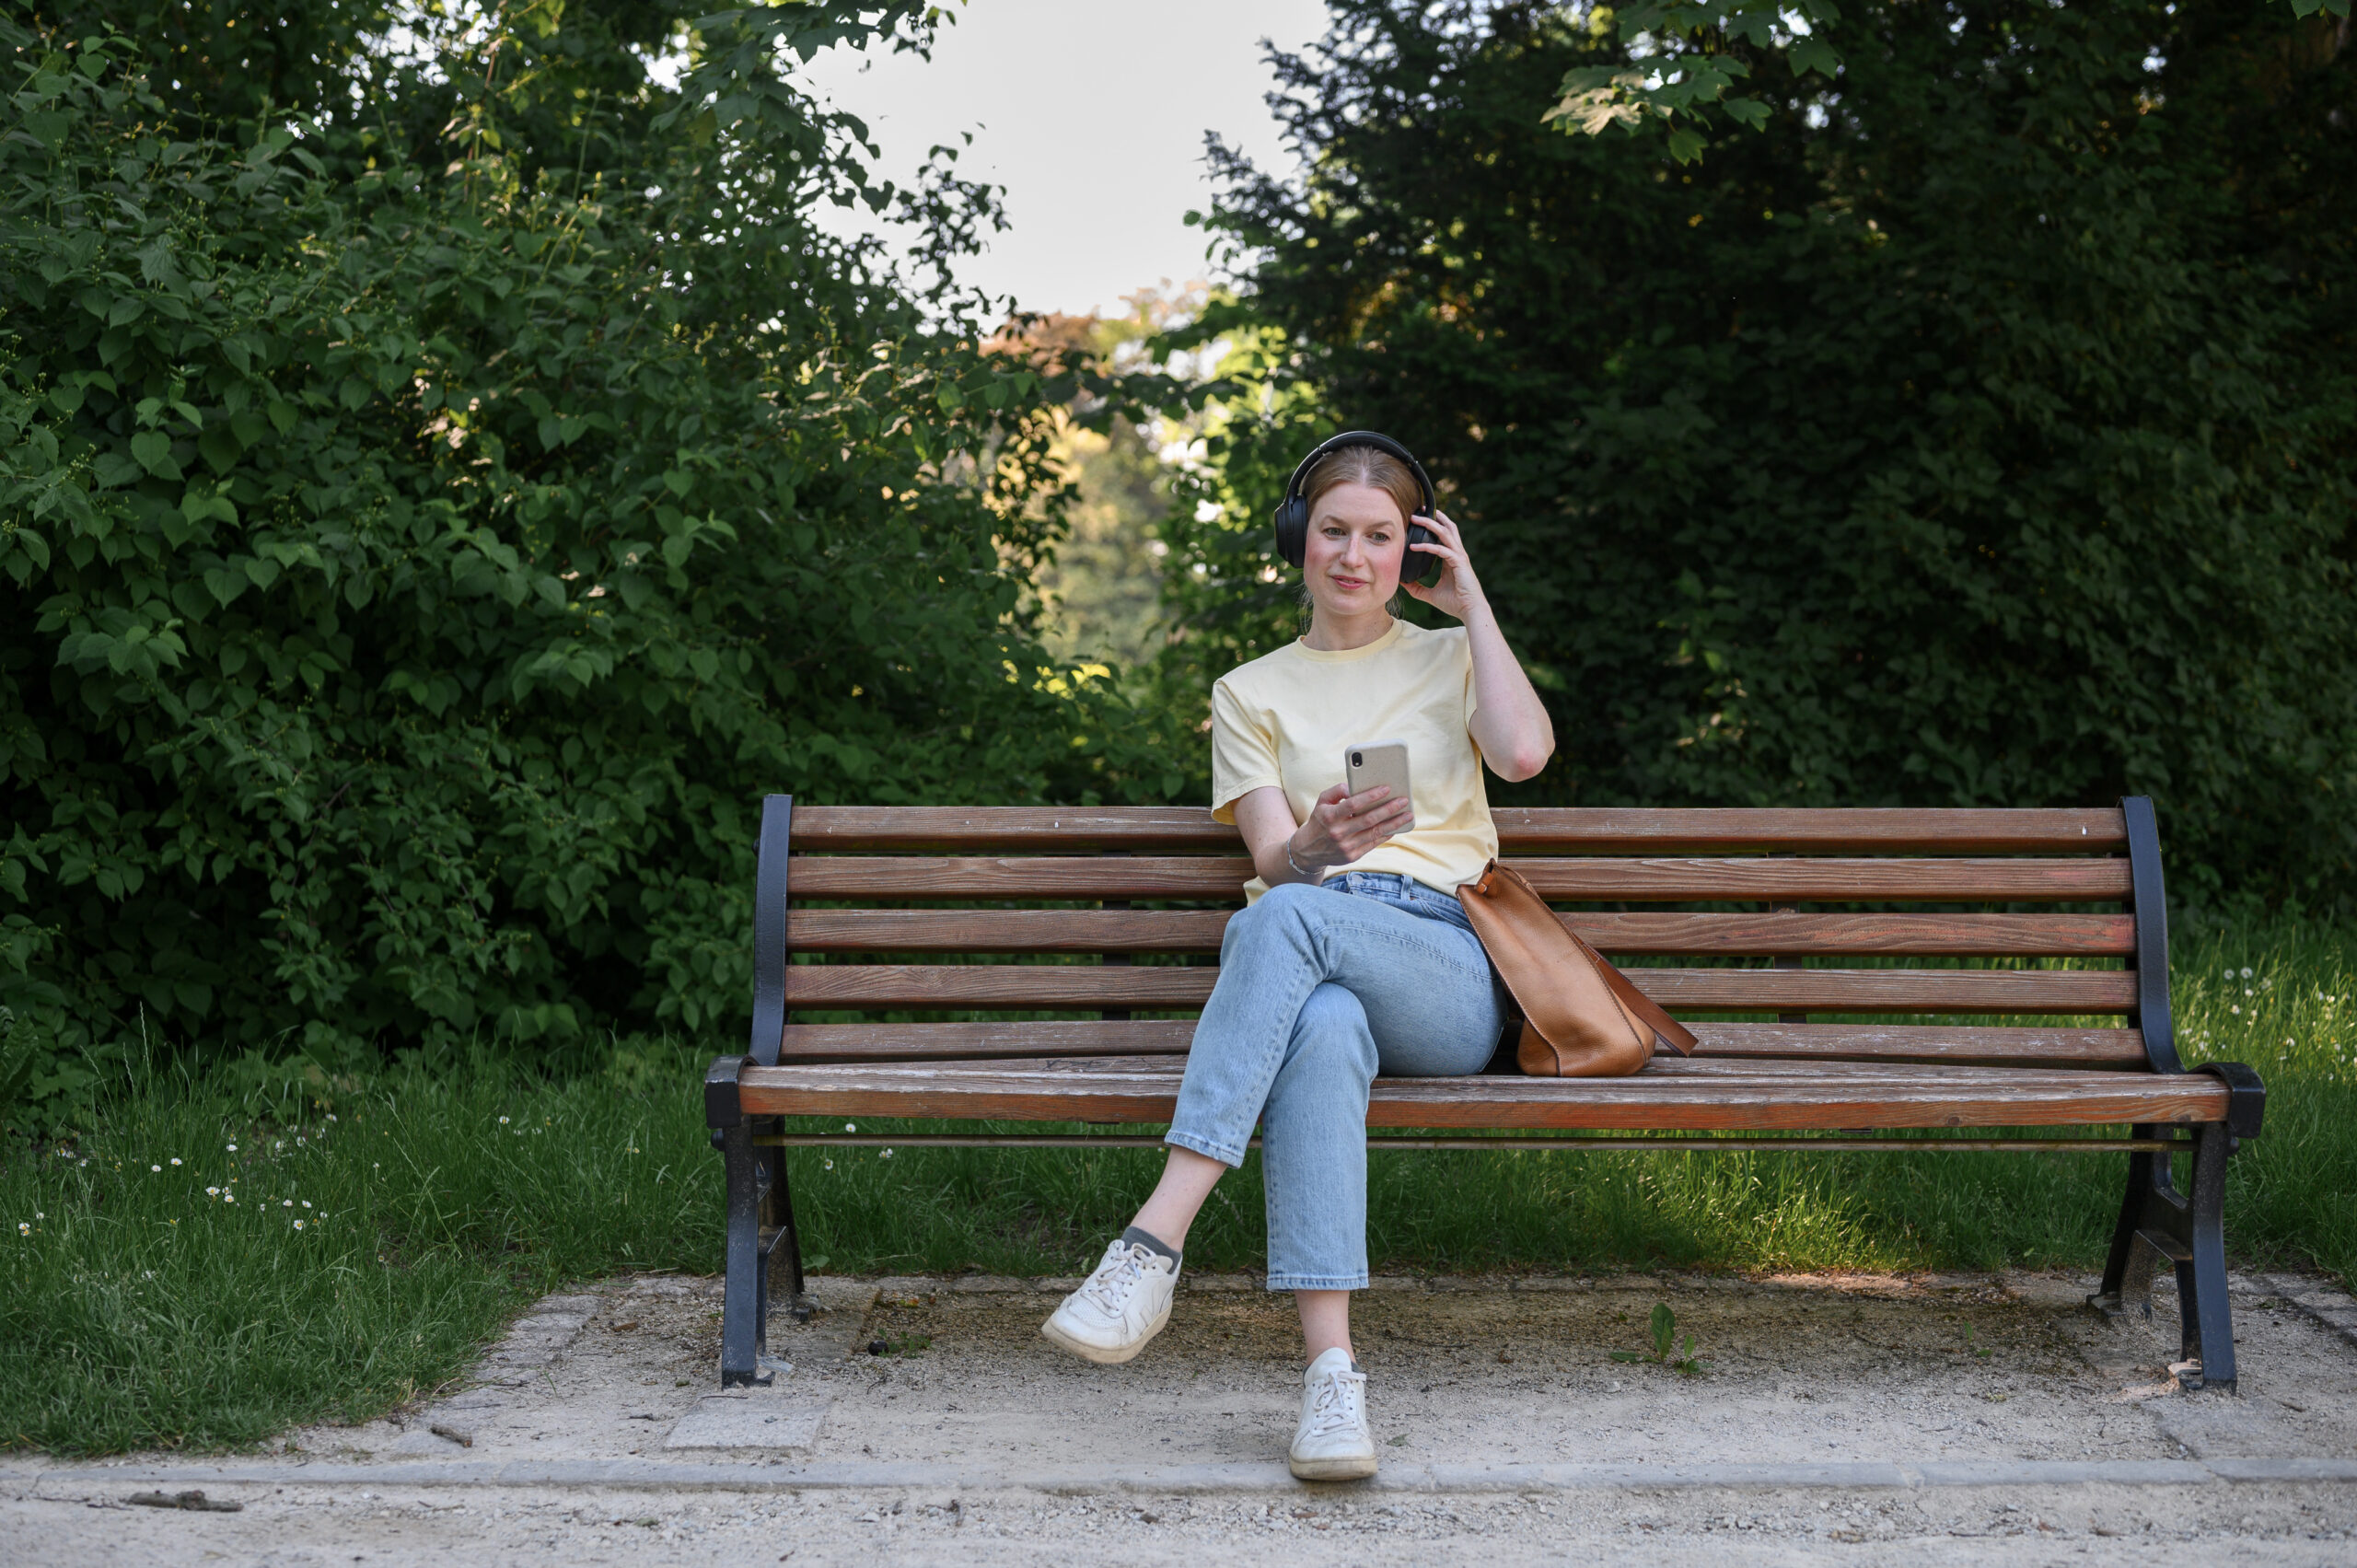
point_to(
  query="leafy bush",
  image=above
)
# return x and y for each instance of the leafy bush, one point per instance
(431, 520)
(1982, 432)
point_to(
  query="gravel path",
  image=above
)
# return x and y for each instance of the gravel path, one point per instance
(1857, 1419)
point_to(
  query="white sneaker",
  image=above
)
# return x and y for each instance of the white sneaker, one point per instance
(1118, 1308)
(1332, 1443)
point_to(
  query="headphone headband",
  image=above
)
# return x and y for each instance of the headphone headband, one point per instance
(1375, 439)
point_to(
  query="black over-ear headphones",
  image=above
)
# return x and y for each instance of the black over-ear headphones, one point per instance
(1293, 512)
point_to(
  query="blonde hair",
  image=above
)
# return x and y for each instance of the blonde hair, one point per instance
(1364, 465)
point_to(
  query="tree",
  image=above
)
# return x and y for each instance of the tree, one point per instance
(1683, 55)
(438, 497)
(1993, 441)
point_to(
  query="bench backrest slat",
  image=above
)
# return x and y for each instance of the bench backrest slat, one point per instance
(1989, 1046)
(963, 986)
(1619, 932)
(1220, 876)
(1521, 830)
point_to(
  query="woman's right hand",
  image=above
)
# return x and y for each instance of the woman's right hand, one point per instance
(1342, 828)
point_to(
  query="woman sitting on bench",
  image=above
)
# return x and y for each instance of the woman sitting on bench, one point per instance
(1352, 955)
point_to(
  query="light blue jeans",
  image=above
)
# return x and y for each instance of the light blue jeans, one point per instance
(1320, 988)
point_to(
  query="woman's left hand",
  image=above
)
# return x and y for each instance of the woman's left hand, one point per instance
(1452, 588)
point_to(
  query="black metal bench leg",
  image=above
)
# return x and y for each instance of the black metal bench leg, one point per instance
(2128, 1270)
(2156, 1221)
(741, 1337)
(2208, 1334)
(777, 1212)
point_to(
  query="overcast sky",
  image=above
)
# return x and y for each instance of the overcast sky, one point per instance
(1092, 114)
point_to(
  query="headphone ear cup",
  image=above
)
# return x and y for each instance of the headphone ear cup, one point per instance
(1293, 530)
(1414, 565)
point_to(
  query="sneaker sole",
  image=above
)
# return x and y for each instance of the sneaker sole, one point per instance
(1351, 1468)
(1098, 1353)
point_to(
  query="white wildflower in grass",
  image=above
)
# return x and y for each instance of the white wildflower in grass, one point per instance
(502, 1122)
(331, 1115)
(286, 1202)
(886, 1155)
(176, 1159)
(228, 1197)
(306, 1203)
(156, 1169)
(828, 1164)
(850, 1126)
(24, 1227)
(298, 1225)
(2246, 971)
(233, 1148)
(212, 1192)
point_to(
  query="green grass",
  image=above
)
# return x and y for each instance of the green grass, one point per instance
(139, 1309)
(165, 1283)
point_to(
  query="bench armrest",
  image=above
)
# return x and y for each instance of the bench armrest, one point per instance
(721, 1107)
(2245, 1097)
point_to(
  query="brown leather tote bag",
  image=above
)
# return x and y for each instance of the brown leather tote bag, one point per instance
(1580, 1018)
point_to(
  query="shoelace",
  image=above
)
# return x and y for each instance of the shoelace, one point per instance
(1336, 1403)
(1110, 1285)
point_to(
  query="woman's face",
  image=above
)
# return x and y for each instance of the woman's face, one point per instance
(1356, 538)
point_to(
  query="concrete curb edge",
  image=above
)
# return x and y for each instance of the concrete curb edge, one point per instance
(785, 1476)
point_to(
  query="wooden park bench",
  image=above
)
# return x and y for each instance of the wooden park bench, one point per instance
(1119, 914)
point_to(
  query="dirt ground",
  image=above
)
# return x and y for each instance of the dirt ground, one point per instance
(1858, 1420)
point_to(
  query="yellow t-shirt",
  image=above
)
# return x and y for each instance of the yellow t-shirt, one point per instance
(1286, 718)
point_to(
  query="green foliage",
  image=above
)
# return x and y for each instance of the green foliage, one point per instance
(1684, 60)
(1661, 1325)
(1685, 54)
(1993, 442)
(430, 520)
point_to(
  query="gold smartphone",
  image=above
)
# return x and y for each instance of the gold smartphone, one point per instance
(1375, 762)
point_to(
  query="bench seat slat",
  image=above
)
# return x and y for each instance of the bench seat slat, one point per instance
(1618, 880)
(962, 986)
(1672, 1094)
(1637, 931)
(1622, 829)
(2116, 1049)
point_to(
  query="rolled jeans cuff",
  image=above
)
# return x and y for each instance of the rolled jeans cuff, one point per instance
(1205, 1147)
(1316, 1281)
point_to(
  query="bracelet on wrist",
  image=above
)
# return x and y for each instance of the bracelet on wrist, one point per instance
(1298, 868)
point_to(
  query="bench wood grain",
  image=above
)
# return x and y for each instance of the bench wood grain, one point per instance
(1620, 880)
(1699, 1094)
(2116, 1049)
(1642, 932)
(956, 987)
(1521, 830)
